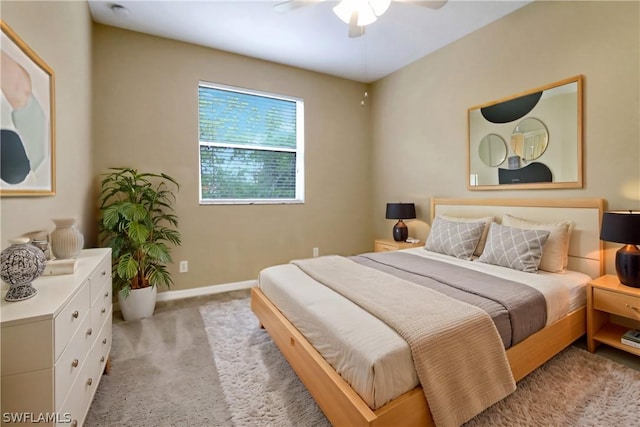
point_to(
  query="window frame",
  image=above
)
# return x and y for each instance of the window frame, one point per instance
(299, 150)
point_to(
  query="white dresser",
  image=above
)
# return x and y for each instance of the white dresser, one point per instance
(55, 345)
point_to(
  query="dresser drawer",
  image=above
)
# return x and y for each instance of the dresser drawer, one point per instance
(26, 347)
(97, 359)
(70, 363)
(79, 397)
(101, 308)
(66, 323)
(104, 339)
(99, 278)
(616, 303)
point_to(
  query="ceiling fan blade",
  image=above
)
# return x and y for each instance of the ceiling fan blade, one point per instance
(431, 4)
(289, 5)
(354, 29)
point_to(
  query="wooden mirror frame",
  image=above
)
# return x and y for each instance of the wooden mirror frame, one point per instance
(500, 128)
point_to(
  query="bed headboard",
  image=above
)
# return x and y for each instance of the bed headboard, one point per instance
(585, 249)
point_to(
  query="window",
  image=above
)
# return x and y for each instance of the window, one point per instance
(251, 146)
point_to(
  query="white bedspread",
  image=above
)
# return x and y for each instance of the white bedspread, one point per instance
(368, 354)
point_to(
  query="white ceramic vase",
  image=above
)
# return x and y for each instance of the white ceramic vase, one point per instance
(66, 239)
(139, 304)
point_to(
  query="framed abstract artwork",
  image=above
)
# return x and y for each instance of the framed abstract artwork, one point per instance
(543, 130)
(27, 143)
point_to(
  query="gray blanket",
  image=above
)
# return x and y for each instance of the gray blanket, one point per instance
(516, 309)
(461, 373)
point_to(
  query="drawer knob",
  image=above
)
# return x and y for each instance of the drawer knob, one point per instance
(75, 363)
(104, 273)
(106, 294)
(74, 423)
(89, 381)
(102, 359)
(104, 341)
(103, 311)
(89, 331)
(75, 314)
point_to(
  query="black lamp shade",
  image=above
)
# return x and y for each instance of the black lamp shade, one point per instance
(400, 211)
(621, 227)
(624, 227)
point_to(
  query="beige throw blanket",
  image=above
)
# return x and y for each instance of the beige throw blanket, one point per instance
(458, 354)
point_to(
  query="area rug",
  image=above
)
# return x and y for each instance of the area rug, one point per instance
(209, 364)
(260, 387)
(575, 388)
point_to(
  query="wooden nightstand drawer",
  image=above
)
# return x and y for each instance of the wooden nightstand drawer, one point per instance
(385, 245)
(616, 303)
(382, 247)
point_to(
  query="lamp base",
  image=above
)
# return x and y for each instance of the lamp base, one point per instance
(628, 265)
(400, 231)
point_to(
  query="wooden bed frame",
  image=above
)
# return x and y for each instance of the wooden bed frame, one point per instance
(344, 407)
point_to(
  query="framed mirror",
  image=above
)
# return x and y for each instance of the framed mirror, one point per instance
(544, 130)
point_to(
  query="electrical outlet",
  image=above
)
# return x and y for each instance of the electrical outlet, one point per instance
(184, 266)
(316, 252)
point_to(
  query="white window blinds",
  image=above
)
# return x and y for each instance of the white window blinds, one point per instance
(251, 146)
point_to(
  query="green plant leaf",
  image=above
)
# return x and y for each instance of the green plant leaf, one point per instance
(138, 232)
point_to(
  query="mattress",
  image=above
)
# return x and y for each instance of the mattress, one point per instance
(368, 354)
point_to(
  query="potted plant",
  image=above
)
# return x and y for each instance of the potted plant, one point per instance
(137, 222)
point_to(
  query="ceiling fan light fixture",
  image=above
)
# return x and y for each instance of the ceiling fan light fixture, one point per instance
(367, 11)
(379, 6)
(365, 14)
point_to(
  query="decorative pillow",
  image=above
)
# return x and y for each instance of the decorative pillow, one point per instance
(458, 239)
(514, 247)
(555, 253)
(483, 238)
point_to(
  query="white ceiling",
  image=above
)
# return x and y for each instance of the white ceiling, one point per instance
(310, 37)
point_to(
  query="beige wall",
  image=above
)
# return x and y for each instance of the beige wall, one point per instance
(419, 114)
(60, 33)
(411, 147)
(145, 116)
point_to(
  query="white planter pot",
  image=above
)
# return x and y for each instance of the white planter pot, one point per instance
(139, 304)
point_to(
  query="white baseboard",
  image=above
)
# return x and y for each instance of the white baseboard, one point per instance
(205, 290)
(201, 291)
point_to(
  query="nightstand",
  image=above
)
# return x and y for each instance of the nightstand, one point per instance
(382, 245)
(605, 297)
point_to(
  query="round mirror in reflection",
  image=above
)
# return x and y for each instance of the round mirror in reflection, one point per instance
(529, 139)
(492, 150)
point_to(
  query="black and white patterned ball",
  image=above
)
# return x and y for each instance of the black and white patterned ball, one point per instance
(21, 263)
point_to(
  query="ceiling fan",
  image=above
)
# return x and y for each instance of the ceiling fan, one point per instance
(357, 13)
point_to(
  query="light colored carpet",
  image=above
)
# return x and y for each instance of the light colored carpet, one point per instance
(259, 386)
(210, 364)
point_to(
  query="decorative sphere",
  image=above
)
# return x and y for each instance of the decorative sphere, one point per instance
(21, 262)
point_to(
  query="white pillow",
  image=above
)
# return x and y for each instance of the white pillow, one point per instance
(458, 239)
(555, 253)
(487, 220)
(514, 248)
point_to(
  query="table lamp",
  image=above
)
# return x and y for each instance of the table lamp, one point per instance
(624, 227)
(400, 211)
